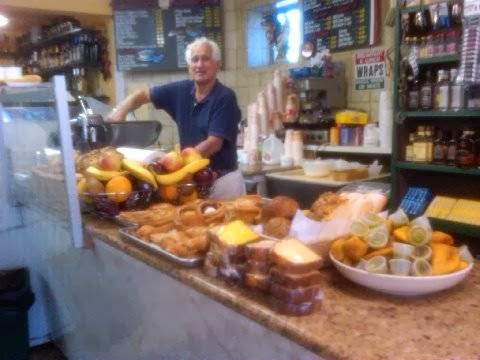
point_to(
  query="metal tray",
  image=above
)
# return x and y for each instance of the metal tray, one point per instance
(187, 262)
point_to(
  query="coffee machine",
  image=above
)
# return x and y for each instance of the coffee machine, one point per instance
(319, 98)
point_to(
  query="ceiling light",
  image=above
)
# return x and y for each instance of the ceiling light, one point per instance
(3, 20)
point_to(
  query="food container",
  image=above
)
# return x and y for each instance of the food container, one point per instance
(317, 168)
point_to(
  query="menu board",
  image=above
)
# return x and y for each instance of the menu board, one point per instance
(149, 37)
(341, 24)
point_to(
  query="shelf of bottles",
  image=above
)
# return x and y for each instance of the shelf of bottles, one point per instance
(61, 48)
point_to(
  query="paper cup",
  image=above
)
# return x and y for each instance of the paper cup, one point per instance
(400, 266)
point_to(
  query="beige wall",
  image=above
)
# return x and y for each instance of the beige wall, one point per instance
(246, 82)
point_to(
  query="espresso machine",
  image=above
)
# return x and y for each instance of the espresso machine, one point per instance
(319, 99)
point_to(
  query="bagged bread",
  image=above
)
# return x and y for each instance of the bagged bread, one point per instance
(295, 280)
(291, 256)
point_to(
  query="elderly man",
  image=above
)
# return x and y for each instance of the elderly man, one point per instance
(206, 113)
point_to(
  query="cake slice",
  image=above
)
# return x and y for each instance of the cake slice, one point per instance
(257, 281)
(291, 256)
(296, 295)
(260, 250)
(295, 280)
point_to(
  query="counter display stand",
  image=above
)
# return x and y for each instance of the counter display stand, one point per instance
(39, 210)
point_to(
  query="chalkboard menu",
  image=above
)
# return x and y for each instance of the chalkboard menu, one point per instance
(149, 37)
(341, 24)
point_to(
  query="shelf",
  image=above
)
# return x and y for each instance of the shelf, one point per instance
(455, 227)
(439, 59)
(68, 67)
(348, 149)
(27, 48)
(437, 168)
(442, 114)
(414, 9)
(8, 54)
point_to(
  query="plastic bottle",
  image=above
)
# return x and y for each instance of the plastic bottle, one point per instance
(272, 150)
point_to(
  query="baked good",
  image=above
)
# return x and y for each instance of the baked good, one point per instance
(295, 280)
(188, 216)
(180, 244)
(294, 309)
(280, 206)
(260, 250)
(246, 208)
(262, 267)
(324, 205)
(292, 256)
(232, 272)
(213, 212)
(277, 227)
(157, 215)
(295, 295)
(145, 231)
(257, 281)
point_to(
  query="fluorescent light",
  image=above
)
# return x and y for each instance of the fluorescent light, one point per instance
(284, 3)
(3, 20)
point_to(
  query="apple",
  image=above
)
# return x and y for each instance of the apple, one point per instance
(204, 177)
(110, 163)
(190, 155)
(157, 167)
(172, 161)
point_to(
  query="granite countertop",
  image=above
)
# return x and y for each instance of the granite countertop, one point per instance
(262, 169)
(353, 322)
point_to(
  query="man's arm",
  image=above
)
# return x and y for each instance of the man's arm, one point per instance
(132, 102)
(209, 146)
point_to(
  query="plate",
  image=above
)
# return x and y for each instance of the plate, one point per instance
(401, 285)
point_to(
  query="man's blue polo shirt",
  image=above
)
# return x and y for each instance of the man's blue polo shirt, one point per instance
(218, 114)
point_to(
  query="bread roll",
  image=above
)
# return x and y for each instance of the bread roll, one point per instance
(280, 206)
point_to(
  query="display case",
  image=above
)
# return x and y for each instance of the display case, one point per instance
(37, 161)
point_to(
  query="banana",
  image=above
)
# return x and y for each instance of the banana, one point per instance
(177, 176)
(102, 175)
(139, 172)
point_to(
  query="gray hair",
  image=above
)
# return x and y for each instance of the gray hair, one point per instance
(216, 54)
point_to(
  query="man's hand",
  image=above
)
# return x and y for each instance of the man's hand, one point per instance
(132, 102)
(209, 146)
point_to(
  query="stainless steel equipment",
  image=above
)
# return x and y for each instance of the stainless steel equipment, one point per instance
(90, 131)
(318, 97)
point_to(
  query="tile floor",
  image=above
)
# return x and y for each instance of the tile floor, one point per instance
(45, 352)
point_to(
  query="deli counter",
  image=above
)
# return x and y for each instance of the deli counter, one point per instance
(101, 297)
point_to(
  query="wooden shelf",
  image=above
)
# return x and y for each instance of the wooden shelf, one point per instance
(348, 149)
(454, 227)
(442, 114)
(439, 59)
(436, 168)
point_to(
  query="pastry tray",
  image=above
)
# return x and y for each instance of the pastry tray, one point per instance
(127, 233)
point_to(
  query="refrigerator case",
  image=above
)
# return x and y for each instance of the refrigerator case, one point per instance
(39, 210)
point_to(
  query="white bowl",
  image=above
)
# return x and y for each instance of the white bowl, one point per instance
(317, 168)
(401, 285)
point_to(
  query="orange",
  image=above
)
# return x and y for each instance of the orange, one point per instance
(168, 192)
(118, 188)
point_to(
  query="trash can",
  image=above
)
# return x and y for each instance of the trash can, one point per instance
(16, 298)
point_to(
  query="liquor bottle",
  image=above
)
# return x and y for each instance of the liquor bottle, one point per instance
(452, 149)
(439, 149)
(442, 91)
(413, 93)
(409, 148)
(428, 144)
(457, 91)
(466, 149)
(426, 93)
(420, 146)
